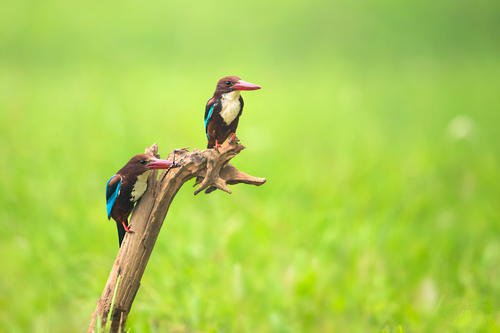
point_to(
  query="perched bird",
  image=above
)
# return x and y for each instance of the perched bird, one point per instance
(127, 186)
(223, 110)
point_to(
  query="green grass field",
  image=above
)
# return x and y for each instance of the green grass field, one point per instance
(377, 129)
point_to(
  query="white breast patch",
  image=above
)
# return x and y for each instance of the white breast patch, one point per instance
(231, 106)
(140, 186)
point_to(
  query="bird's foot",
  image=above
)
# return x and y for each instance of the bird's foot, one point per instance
(233, 138)
(127, 228)
(217, 145)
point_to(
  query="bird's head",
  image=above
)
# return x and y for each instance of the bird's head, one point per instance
(141, 163)
(233, 83)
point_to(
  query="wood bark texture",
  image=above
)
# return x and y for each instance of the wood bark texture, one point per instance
(212, 171)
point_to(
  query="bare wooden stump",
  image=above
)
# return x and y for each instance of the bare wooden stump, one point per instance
(212, 169)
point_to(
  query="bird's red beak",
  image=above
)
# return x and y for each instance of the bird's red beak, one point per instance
(243, 85)
(156, 163)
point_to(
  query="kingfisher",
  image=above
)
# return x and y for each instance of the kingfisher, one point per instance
(224, 109)
(127, 186)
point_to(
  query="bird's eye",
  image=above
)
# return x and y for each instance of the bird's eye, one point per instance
(142, 161)
(228, 83)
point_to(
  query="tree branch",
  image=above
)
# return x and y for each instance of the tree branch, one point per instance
(212, 171)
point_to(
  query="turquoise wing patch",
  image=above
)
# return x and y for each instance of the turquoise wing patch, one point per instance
(112, 193)
(207, 118)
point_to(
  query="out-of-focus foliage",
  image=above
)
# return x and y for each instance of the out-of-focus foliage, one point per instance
(377, 127)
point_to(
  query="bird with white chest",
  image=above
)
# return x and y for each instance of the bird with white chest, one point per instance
(127, 186)
(224, 109)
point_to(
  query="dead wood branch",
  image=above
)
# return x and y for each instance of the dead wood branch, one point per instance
(214, 172)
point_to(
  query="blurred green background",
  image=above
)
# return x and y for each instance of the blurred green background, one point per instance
(377, 128)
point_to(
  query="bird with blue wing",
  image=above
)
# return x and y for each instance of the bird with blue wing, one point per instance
(223, 110)
(127, 186)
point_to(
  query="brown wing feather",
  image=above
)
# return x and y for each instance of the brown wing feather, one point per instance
(212, 132)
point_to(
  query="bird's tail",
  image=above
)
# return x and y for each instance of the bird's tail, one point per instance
(121, 233)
